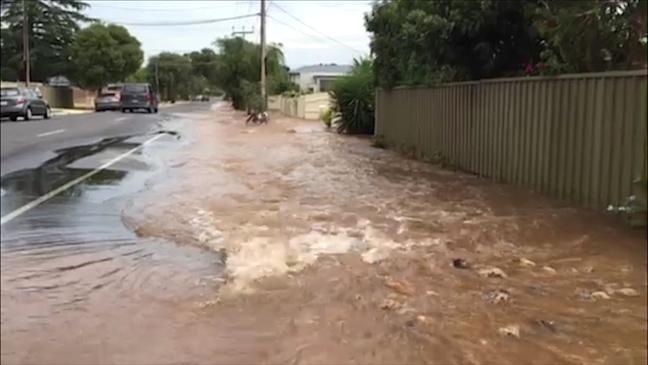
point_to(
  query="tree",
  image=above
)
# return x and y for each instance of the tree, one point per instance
(204, 63)
(101, 54)
(422, 42)
(238, 69)
(52, 26)
(140, 76)
(174, 73)
(592, 35)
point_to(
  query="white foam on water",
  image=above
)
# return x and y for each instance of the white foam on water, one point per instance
(250, 259)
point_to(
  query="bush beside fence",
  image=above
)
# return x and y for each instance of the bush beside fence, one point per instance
(580, 137)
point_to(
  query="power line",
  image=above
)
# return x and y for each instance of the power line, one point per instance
(306, 34)
(313, 29)
(191, 22)
(92, 4)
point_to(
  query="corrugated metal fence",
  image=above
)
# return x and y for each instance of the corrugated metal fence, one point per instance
(577, 137)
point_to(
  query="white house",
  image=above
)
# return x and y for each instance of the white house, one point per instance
(318, 78)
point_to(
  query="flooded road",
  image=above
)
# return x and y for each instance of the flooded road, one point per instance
(289, 244)
(75, 279)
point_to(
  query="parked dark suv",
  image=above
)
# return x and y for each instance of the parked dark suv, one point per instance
(138, 96)
(22, 102)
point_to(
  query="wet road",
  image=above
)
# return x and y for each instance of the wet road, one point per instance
(70, 260)
(28, 144)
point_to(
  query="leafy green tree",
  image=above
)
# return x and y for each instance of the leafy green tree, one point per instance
(174, 72)
(101, 54)
(353, 99)
(418, 42)
(592, 35)
(52, 27)
(140, 76)
(204, 63)
(422, 42)
(238, 68)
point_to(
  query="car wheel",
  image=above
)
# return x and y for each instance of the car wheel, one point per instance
(155, 110)
(48, 113)
(28, 114)
(123, 110)
(13, 118)
(149, 110)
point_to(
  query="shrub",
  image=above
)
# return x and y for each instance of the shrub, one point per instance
(327, 117)
(353, 100)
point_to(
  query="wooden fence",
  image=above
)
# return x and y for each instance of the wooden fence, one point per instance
(578, 137)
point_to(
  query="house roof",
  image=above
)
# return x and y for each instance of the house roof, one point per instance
(330, 68)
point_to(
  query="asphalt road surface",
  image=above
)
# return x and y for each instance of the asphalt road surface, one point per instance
(68, 261)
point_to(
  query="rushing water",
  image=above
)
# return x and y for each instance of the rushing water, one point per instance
(286, 243)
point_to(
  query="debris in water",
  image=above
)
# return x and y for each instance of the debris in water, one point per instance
(405, 309)
(512, 330)
(549, 269)
(548, 325)
(399, 287)
(599, 295)
(390, 304)
(492, 272)
(431, 293)
(497, 296)
(208, 303)
(524, 262)
(460, 264)
(422, 319)
(628, 292)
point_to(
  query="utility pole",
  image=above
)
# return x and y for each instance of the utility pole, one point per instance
(25, 36)
(263, 55)
(242, 32)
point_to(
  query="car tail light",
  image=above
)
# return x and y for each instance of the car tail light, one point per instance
(121, 97)
(149, 97)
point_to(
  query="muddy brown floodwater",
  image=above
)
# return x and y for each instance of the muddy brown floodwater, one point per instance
(334, 252)
(337, 252)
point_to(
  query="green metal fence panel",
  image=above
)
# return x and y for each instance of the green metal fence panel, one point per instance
(579, 137)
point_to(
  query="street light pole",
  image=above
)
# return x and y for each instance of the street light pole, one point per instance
(25, 34)
(263, 55)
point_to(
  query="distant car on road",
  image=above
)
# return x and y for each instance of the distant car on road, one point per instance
(22, 102)
(107, 101)
(138, 96)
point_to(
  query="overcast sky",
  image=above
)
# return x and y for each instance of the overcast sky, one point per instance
(343, 21)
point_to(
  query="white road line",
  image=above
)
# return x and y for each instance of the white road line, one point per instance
(62, 188)
(50, 133)
(121, 119)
